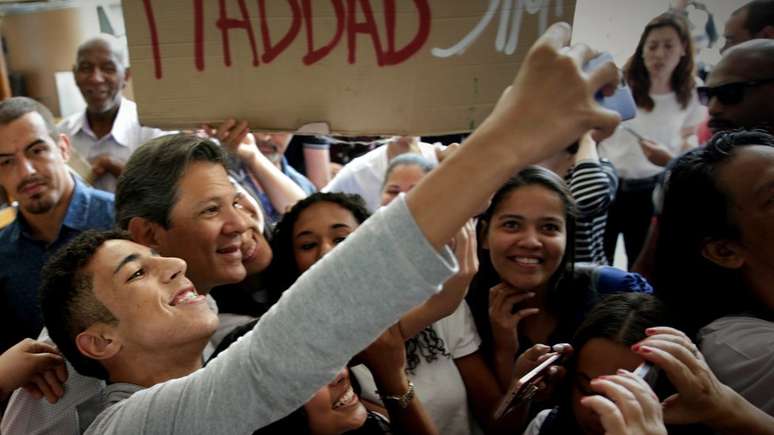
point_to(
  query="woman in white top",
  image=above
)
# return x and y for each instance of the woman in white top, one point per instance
(661, 76)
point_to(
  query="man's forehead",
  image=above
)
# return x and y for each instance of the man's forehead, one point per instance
(23, 131)
(114, 250)
(98, 52)
(202, 181)
(756, 161)
(732, 69)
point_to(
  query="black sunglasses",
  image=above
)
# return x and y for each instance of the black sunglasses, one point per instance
(728, 94)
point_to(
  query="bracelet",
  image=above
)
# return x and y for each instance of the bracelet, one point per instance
(404, 399)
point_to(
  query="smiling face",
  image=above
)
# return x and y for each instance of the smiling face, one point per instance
(206, 227)
(100, 76)
(402, 179)
(256, 252)
(598, 357)
(155, 305)
(662, 51)
(335, 408)
(32, 165)
(526, 237)
(319, 229)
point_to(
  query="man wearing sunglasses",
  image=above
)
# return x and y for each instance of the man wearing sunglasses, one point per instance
(740, 90)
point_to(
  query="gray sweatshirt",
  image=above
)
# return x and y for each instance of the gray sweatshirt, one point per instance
(333, 311)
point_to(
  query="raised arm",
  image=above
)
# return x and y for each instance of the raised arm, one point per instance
(532, 121)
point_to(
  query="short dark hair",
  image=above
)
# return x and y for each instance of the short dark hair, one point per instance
(760, 13)
(16, 107)
(148, 187)
(696, 210)
(67, 297)
(283, 269)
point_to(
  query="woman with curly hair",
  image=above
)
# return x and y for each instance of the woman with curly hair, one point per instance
(661, 74)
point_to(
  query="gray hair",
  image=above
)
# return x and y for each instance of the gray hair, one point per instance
(116, 46)
(408, 160)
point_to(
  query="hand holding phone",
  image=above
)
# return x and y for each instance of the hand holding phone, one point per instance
(526, 386)
(648, 372)
(622, 100)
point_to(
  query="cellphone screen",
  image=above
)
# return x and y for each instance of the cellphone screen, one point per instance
(526, 386)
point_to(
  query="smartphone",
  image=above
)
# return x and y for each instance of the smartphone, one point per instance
(622, 100)
(634, 133)
(526, 386)
(648, 372)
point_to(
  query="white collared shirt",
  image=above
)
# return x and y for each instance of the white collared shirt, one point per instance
(127, 134)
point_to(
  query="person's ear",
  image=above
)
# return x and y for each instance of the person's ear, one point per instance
(127, 75)
(146, 232)
(63, 143)
(98, 342)
(766, 33)
(724, 253)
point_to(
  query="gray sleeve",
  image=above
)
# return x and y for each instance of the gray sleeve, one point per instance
(332, 312)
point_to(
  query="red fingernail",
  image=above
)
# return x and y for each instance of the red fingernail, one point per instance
(649, 331)
(644, 349)
(636, 347)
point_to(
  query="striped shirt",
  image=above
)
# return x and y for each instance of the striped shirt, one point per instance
(593, 185)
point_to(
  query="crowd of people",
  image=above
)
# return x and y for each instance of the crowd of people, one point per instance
(198, 282)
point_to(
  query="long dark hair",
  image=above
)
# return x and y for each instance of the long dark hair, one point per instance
(682, 82)
(621, 318)
(283, 270)
(560, 282)
(696, 210)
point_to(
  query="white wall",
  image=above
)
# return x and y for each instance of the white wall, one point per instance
(615, 25)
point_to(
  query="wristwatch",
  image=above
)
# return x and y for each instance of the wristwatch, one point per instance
(404, 399)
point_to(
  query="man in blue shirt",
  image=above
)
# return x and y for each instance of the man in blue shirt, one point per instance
(54, 206)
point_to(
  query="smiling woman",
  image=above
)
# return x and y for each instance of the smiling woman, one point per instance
(528, 289)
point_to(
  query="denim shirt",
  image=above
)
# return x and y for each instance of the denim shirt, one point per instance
(22, 258)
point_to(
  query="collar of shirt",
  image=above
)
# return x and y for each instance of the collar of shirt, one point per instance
(76, 217)
(123, 125)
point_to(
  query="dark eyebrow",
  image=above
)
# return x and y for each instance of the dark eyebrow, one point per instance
(333, 227)
(133, 257)
(509, 216)
(764, 188)
(128, 259)
(27, 147)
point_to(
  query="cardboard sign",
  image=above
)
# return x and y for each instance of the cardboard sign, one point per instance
(365, 67)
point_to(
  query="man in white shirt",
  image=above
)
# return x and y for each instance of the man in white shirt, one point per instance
(364, 175)
(109, 130)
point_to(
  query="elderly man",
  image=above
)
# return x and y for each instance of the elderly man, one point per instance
(753, 20)
(146, 325)
(54, 206)
(109, 130)
(740, 90)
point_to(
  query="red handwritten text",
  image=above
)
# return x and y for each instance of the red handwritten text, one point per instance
(347, 19)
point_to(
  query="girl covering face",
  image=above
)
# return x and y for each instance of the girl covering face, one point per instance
(602, 346)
